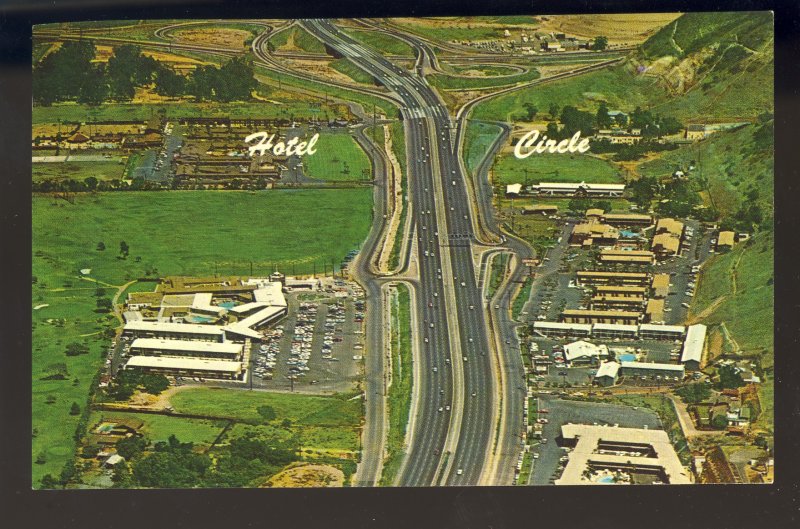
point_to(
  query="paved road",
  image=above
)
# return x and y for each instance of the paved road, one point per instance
(441, 214)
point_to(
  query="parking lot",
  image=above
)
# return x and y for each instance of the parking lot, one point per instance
(659, 351)
(549, 458)
(317, 348)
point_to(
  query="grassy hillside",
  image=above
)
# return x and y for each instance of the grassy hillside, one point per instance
(736, 289)
(694, 31)
(717, 67)
(731, 163)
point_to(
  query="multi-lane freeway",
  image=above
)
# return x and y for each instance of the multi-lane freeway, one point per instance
(454, 421)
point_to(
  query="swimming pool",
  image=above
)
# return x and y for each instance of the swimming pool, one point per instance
(199, 319)
(626, 357)
(228, 305)
(606, 479)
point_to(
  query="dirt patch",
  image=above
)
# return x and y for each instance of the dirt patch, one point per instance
(623, 29)
(221, 37)
(306, 476)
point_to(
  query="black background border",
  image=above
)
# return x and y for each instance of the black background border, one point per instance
(680, 507)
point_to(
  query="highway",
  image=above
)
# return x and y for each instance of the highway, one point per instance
(450, 446)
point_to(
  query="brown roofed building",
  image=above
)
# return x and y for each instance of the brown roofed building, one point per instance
(726, 240)
(660, 286)
(666, 245)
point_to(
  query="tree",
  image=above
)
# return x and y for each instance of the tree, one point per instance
(94, 89)
(575, 120)
(131, 447)
(530, 110)
(169, 83)
(124, 249)
(90, 182)
(155, 384)
(90, 451)
(49, 482)
(267, 413)
(694, 393)
(719, 421)
(75, 409)
(600, 43)
(602, 118)
(579, 205)
(104, 304)
(101, 246)
(729, 378)
(553, 110)
(41, 458)
(122, 477)
(75, 349)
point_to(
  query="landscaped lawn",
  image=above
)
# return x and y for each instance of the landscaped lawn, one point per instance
(306, 410)
(105, 170)
(338, 157)
(553, 168)
(479, 137)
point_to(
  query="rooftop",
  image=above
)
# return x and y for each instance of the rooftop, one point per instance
(169, 362)
(584, 456)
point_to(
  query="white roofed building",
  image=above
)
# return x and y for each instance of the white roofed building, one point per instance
(692, 353)
(582, 352)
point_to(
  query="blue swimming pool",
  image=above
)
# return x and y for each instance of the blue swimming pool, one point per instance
(199, 319)
(606, 479)
(626, 357)
(228, 305)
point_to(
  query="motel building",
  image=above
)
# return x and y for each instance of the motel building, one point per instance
(187, 367)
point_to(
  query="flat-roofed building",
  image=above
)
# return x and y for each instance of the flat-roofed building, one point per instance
(578, 189)
(692, 354)
(513, 190)
(661, 332)
(611, 255)
(620, 291)
(158, 347)
(594, 213)
(170, 330)
(596, 277)
(654, 312)
(600, 316)
(611, 302)
(189, 367)
(614, 330)
(725, 240)
(666, 245)
(603, 454)
(589, 233)
(553, 328)
(627, 219)
(671, 373)
(671, 226)
(541, 209)
(659, 287)
(607, 374)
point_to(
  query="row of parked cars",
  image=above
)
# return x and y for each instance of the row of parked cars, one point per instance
(267, 355)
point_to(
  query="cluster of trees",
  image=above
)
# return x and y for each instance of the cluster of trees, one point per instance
(654, 125)
(675, 198)
(92, 184)
(580, 205)
(68, 74)
(624, 152)
(694, 393)
(129, 380)
(175, 464)
(749, 216)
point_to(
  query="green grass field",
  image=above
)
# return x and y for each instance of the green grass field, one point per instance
(105, 170)
(305, 410)
(402, 380)
(448, 82)
(748, 313)
(279, 107)
(508, 169)
(522, 297)
(213, 237)
(302, 39)
(338, 157)
(397, 134)
(352, 71)
(487, 70)
(479, 137)
(386, 43)
(618, 86)
(159, 427)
